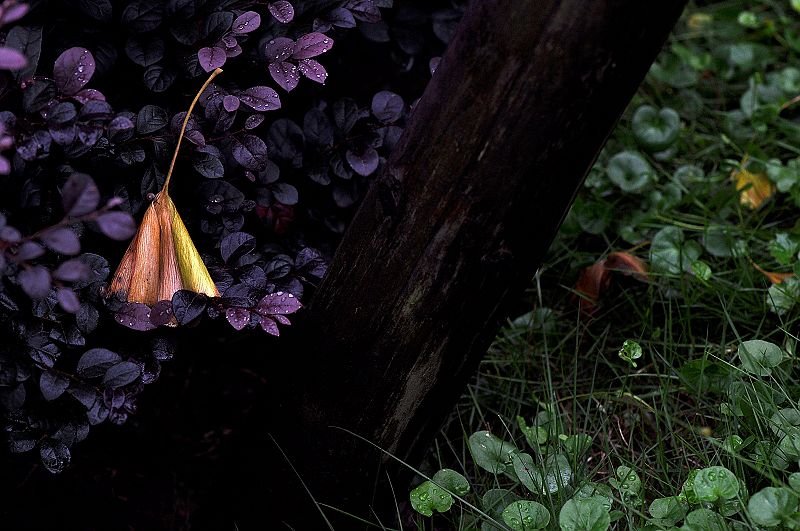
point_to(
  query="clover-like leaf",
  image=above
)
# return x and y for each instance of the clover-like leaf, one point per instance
(429, 497)
(656, 129)
(630, 171)
(759, 357)
(715, 483)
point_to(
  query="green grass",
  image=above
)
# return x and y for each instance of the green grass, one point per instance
(667, 416)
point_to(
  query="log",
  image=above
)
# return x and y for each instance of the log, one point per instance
(452, 232)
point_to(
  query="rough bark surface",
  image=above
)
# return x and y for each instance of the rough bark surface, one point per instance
(456, 226)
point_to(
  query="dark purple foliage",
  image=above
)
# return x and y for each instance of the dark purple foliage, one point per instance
(282, 11)
(87, 129)
(73, 69)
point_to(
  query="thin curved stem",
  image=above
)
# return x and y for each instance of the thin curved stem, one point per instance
(214, 74)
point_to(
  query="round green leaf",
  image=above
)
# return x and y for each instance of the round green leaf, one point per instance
(668, 511)
(784, 421)
(794, 481)
(704, 520)
(630, 351)
(428, 497)
(490, 452)
(598, 491)
(630, 171)
(528, 473)
(584, 515)
(771, 505)
(732, 444)
(525, 515)
(759, 357)
(654, 129)
(715, 482)
(494, 503)
(671, 253)
(452, 481)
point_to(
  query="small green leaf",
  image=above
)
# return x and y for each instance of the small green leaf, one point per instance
(631, 350)
(599, 491)
(668, 511)
(528, 473)
(704, 520)
(759, 357)
(794, 481)
(783, 248)
(490, 452)
(714, 483)
(772, 505)
(428, 497)
(584, 515)
(526, 515)
(654, 129)
(784, 420)
(782, 297)
(630, 171)
(701, 270)
(494, 502)
(732, 444)
(535, 435)
(796, 5)
(576, 445)
(452, 481)
(627, 482)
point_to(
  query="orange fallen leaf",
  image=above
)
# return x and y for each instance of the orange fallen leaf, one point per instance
(627, 264)
(162, 259)
(755, 188)
(594, 280)
(775, 278)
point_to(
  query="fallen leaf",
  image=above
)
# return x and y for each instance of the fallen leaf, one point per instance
(775, 278)
(755, 188)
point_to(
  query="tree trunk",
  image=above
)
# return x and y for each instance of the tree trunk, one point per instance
(453, 230)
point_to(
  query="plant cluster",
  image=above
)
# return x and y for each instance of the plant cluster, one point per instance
(274, 164)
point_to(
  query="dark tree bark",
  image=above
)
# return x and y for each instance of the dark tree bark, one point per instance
(454, 229)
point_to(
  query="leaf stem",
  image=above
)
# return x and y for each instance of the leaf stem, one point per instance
(214, 74)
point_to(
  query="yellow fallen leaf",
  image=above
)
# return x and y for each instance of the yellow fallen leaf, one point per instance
(162, 258)
(755, 188)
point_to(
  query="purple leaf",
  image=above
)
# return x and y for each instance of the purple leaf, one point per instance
(285, 74)
(247, 22)
(135, 316)
(311, 45)
(68, 300)
(282, 11)
(211, 58)
(79, 195)
(387, 106)
(253, 121)
(341, 17)
(279, 302)
(188, 305)
(282, 319)
(11, 59)
(260, 98)
(230, 103)
(269, 325)
(52, 385)
(73, 69)
(35, 281)
(433, 64)
(233, 52)
(122, 373)
(5, 166)
(14, 13)
(279, 49)
(87, 95)
(237, 317)
(29, 251)
(62, 240)
(117, 225)
(10, 234)
(250, 152)
(313, 70)
(364, 162)
(161, 313)
(365, 10)
(94, 362)
(236, 245)
(72, 270)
